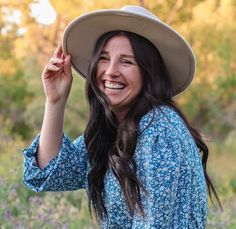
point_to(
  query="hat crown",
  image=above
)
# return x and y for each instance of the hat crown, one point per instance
(139, 10)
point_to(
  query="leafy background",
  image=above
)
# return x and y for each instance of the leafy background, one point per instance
(210, 103)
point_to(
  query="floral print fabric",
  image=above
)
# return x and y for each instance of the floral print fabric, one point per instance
(168, 165)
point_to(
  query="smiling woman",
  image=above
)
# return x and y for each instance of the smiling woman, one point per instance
(139, 158)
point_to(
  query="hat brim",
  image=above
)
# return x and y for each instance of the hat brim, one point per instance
(81, 35)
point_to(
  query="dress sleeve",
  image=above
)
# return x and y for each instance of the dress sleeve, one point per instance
(166, 177)
(67, 171)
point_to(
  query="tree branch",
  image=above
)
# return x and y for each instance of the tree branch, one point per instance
(175, 8)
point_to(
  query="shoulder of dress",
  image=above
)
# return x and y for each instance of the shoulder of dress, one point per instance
(162, 116)
(79, 142)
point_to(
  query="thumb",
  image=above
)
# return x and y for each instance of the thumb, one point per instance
(67, 65)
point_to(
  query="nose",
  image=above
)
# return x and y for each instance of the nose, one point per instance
(112, 69)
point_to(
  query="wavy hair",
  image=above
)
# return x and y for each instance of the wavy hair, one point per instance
(111, 145)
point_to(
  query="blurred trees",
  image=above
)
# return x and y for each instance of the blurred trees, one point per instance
(212, 33)
(26, 45)
(13, 93)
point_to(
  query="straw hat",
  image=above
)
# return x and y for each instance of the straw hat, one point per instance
(81, 35)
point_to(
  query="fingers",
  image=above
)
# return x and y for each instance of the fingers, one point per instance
(67, 65)
(51, 67)
(58, 63)
(51, 71)
(55, 64)
(58, 52)
(55, 60)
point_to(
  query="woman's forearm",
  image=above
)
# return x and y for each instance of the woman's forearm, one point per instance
(51, 133)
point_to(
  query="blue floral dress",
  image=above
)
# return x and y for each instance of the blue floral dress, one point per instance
(168, 164)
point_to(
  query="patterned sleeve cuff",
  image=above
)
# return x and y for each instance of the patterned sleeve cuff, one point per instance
(34, 177)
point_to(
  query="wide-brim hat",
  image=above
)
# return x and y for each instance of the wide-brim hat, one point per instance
(81, 35)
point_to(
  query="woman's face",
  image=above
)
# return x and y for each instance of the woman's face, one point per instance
(118, 75)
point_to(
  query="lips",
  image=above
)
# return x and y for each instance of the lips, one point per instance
(114, 85)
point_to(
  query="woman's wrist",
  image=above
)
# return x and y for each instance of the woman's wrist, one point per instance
(55, 105)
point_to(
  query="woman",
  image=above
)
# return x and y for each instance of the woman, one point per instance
(139, 158)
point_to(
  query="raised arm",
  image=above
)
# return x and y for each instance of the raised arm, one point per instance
(57, 80)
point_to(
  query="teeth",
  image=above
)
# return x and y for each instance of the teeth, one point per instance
(113, 85)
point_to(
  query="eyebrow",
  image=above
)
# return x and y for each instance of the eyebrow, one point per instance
(122, 55)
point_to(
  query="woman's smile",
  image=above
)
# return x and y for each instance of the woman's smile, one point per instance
(113, 85)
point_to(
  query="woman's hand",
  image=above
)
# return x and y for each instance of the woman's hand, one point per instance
(57, 77)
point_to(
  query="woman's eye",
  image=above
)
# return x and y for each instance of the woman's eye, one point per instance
(103, 57)
(127, 61)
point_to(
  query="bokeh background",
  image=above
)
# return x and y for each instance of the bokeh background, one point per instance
(30, 31)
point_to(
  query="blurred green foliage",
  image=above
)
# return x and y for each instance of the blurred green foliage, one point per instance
(210, 102)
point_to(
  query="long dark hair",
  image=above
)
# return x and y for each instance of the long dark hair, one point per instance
(110, 144)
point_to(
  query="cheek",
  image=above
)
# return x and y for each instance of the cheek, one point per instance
(99, 72)
(138, 82)
(99, 82)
